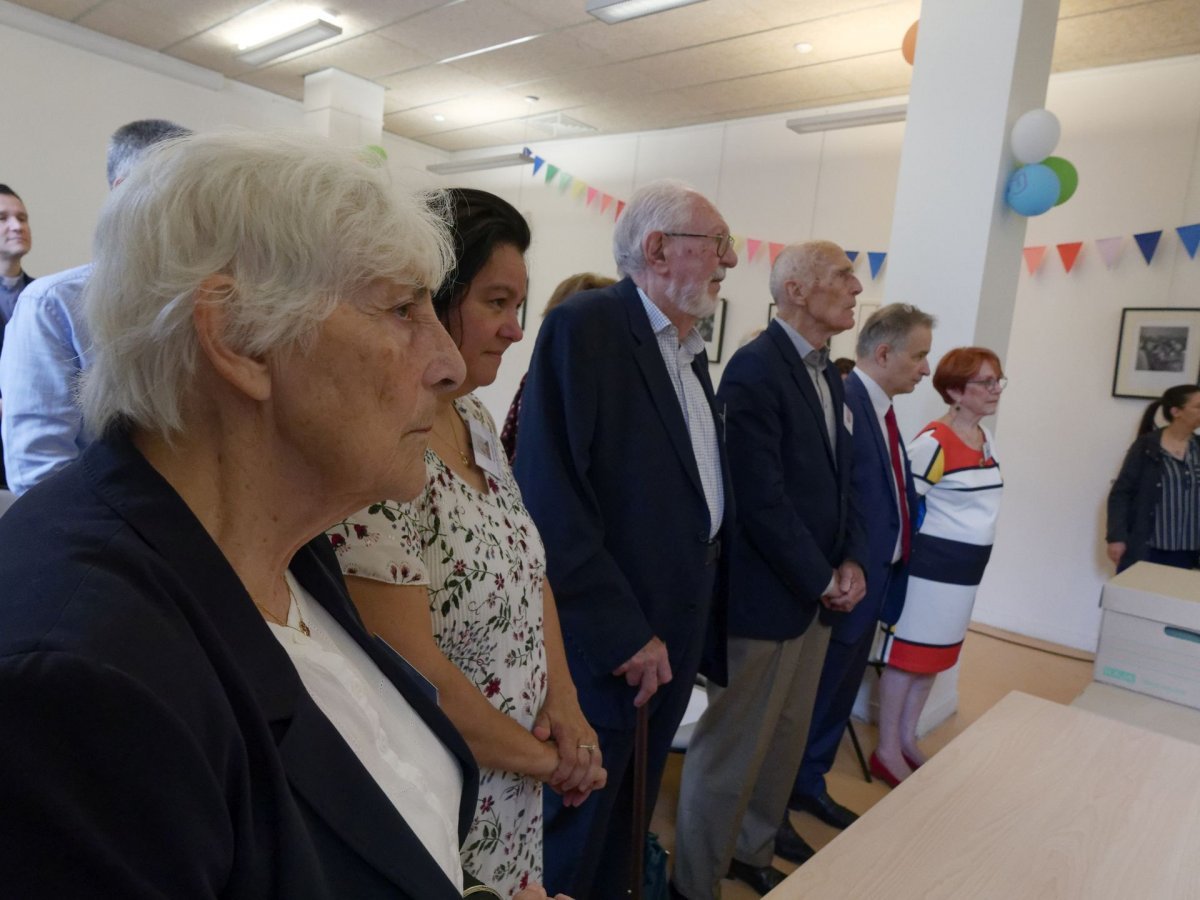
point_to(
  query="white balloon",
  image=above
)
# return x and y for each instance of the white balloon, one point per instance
(1035, 136)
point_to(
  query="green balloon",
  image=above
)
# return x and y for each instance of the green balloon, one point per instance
(1068, 178)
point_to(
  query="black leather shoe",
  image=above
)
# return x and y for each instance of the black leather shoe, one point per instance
(674, 893)
(762, 880)
(791, 846)
(824, 808)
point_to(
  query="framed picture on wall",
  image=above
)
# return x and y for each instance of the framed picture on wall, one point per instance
(712, 329)
(771, 312)
(521, 314)
(1158, 348)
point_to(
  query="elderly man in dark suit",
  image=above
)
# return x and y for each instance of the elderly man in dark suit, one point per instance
(622, 466)
(799, 548)
(893, 350)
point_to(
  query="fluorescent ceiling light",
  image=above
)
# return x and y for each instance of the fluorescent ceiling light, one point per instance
(305, 36)
(614, 11)
(479, 163)
(876, 115)
(513, 43)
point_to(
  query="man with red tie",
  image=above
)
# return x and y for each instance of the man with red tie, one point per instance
(893, 347)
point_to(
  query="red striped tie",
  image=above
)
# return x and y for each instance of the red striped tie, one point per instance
(898, 474)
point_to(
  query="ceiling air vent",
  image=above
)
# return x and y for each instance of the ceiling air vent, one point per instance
(560, 125)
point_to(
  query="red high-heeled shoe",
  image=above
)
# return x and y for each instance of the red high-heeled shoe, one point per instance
(882, 772)
(912, 763)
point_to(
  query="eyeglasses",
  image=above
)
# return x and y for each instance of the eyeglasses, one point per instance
(991, 384)
(724, 241)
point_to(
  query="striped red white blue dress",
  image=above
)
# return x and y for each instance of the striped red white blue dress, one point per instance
(960, 489)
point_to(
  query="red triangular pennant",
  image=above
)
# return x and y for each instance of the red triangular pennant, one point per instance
(605, 202)
(775, 249)
(752, 245)
(1033, 258)
(592, 192)
(620, 209)
(1068, 253)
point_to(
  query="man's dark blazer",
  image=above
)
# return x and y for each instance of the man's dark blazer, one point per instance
(876, 497)
(796, 516)
(158, 740)
(606, 467)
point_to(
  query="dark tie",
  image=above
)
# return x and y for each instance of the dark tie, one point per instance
(898, 474)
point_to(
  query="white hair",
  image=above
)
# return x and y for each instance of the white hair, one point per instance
(297, 225)
(664, 205)
(799, 262)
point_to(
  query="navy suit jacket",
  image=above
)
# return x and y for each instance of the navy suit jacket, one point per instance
(155, 729)
(607, 470)
(876, 498)
(797, 519)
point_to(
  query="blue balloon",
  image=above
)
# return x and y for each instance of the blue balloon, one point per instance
(1032, 189)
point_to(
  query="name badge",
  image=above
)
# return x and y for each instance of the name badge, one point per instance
(486, 449)
(848, 419)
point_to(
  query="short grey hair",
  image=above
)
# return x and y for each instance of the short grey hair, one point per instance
(664, 205)
(297, 224)
(891, 325)
(798, 262)
(130, 141)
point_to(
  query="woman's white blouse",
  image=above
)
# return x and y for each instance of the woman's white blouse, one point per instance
(414, 769)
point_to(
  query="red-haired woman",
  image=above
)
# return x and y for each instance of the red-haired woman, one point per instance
(955, 471)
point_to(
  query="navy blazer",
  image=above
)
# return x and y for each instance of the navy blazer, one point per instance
(607, 470)
(876, 499)
(797, 520)
(158, 740)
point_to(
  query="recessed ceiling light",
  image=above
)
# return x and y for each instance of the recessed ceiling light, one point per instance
(438, 117)
(615, 11)
(804, 47)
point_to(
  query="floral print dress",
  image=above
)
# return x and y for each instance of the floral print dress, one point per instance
(483, 560)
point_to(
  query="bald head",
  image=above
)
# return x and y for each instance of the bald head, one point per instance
(804, 263)
(814, 287)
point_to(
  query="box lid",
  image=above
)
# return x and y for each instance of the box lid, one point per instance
(1161, 593)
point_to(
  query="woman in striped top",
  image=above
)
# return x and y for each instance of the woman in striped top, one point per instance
(955, 471)
(1154, 505)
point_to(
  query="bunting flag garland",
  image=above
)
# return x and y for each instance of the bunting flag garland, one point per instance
(876, 258)
(1033, 258)
(1190, 235)
(1110, 249)
(1147, 242)
(1068, 253)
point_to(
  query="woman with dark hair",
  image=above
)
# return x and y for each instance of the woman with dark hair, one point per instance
(455, 581)
(1154, 505)
(955, 472)
(568, 287)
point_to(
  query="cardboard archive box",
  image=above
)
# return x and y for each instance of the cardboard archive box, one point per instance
(1150, 633)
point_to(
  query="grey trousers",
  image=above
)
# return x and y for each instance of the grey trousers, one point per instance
(743, 756)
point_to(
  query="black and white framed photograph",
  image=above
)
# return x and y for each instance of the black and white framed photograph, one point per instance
(1158, 348)
(712, 329)
(771, 312)
(521, 314)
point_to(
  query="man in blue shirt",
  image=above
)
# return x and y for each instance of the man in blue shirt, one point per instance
(47, 344)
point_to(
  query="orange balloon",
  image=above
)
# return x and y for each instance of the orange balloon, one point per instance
(908, 48)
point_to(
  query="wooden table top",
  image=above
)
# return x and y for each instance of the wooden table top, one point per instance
(1034, 800)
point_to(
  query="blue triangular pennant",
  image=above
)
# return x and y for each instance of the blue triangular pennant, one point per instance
(853, 254)
(1147, 242)
(876, 259)
(1190, 235)
(537, 164)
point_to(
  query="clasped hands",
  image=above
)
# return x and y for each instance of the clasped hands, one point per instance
(580, 767)
(849, 586)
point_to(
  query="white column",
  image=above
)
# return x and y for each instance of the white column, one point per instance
(955, 249)
(343, 107)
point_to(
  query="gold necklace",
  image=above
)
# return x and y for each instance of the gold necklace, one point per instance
(453, 442)
(292, 598)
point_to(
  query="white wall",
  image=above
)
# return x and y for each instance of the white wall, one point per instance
(1133, 134)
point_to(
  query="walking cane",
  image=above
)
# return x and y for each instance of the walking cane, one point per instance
(639, 801)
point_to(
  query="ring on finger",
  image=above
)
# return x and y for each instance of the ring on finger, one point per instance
(589, 747)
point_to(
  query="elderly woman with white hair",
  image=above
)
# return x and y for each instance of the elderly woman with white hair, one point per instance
(192, 707)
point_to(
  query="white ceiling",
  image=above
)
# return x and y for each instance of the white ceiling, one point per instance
(713, 60)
